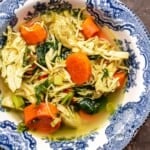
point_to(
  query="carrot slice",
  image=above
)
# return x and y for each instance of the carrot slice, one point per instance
(79, 67)
(39, 117)
(121, 78)
(89, 27)
(33, 33)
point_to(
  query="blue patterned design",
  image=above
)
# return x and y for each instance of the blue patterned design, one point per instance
(134, 66)
(81, 143)
(7, 8)
(11, 139)
(113, 16)
(128, 118)
(11, 5)
(124, 126)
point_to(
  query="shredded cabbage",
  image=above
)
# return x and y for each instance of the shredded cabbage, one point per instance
(12, 55)
(46, 78)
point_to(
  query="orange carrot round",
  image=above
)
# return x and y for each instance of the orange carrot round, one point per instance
(121, 78)
(89, 28)
(33, 33)
(39, 117)
(79, 67)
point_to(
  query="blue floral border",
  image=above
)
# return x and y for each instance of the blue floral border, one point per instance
(11, 139)
(81, 143)
(7, 16)
(125, 122)
(117, 16)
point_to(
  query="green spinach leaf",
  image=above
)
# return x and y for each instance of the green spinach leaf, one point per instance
(92, 106)
(42, 49)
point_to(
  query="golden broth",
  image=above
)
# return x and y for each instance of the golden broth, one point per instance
(96, 122)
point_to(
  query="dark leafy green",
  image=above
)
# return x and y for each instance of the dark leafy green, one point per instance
(105, 73)
(42, 49)
(92, 106)
(40, 90)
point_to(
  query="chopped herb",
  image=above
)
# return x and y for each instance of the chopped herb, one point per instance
(21, 127)
(40, 90)
(105, 73)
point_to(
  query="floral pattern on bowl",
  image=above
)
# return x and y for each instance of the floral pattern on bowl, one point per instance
(122, 126)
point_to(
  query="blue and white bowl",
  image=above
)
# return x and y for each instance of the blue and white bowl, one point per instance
(118, 130)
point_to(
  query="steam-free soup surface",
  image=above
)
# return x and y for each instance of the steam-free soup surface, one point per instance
(62, 74)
